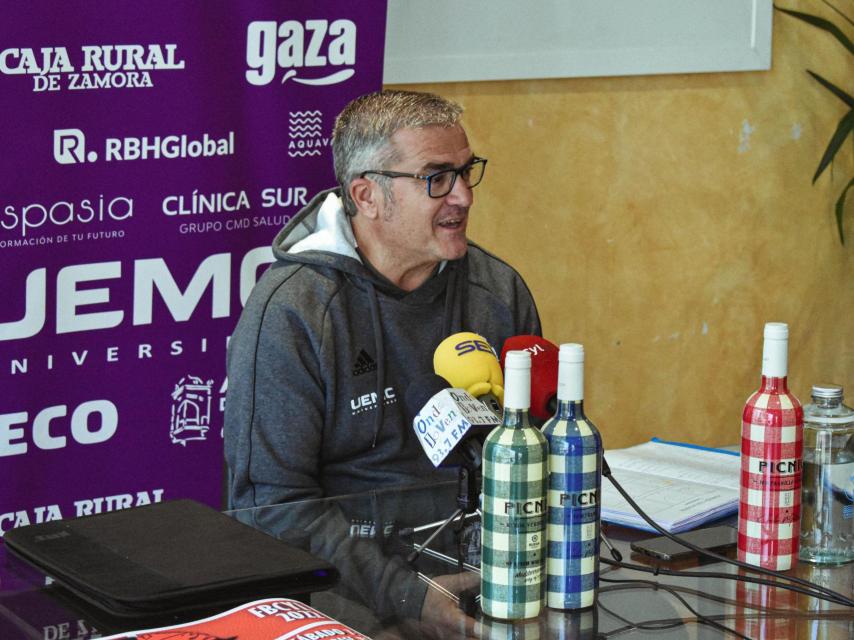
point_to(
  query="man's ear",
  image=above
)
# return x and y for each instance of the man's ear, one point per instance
(367, 196)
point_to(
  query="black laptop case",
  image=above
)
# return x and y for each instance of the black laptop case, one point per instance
(167, 557)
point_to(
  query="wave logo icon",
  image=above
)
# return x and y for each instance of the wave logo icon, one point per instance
(301, 50)
(304, 129)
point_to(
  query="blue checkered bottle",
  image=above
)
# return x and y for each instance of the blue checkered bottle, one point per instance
(512, 571)
(575, 483)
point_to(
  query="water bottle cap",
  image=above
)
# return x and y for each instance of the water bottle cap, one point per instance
(776, 331)
(830, 391)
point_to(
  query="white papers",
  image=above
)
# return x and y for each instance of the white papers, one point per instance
(679, 487)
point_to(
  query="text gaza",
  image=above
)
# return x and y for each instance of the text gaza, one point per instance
(301, 45)
(149, 274)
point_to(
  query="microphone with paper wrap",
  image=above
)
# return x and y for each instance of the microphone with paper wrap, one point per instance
(450, 423)
(467, 361)
(544, 366)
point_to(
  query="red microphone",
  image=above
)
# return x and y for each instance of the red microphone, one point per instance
(544, 365)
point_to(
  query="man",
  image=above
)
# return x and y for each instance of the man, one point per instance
(369, 279)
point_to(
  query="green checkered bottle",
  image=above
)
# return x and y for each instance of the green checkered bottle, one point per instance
(515, 477)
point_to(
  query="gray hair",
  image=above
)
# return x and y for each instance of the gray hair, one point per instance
(361, 139)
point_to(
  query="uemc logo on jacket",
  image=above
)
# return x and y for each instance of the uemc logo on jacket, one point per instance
(293, 45)
(368, 401)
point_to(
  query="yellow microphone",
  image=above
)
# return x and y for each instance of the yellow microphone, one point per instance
(467, 361)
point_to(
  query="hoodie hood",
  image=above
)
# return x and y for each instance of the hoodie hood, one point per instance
(322, 225)
(321, 235)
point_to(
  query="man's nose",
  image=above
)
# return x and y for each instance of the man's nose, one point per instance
(461, 194)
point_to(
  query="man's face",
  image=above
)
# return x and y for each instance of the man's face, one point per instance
(416, 228)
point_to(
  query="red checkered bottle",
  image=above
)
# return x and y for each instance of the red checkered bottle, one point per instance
(769, 513)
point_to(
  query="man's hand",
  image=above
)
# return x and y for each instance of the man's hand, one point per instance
(441, 616)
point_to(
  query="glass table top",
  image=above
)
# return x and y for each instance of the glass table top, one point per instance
(392, 585)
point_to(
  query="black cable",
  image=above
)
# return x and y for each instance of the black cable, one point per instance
(760, 611)
(698, 592)
(652, 625)
(720, 600)
(701, 619)
(657, 570)
(658, 625)
(835, 597)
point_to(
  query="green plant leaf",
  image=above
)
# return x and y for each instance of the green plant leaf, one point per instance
(821, 23)
(839, 93)
(840, 209)
(843, 130)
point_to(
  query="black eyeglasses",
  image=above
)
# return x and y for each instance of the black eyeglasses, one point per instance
(439, 184)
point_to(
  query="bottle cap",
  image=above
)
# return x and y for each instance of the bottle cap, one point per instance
(830, 391)
(776, 331)
(571, 352)
(775, 357)
(517, 380)
(570, 378)
(517, 360)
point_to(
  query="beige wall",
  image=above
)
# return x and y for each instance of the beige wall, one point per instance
(662, 220)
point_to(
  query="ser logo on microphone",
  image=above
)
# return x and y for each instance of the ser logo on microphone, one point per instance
(467, 346)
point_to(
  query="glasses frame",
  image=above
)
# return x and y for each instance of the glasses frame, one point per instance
(429, 178)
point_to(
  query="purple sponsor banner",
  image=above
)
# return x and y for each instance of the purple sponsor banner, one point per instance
(150, 152)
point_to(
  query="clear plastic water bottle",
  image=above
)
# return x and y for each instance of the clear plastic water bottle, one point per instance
(827, 490)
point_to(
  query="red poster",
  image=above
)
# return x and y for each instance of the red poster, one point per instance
(270, 619)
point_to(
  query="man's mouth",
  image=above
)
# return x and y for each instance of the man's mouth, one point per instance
(453, 221)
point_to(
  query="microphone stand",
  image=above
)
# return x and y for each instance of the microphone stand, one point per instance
(468, 498)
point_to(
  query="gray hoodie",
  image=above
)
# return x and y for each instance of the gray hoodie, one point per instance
(323, 338)
(324, 352)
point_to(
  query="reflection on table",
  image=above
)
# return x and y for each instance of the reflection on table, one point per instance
(371, 538)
